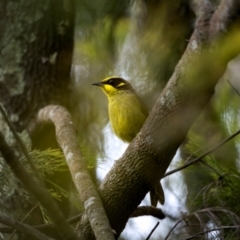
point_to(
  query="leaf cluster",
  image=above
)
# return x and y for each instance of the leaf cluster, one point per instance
(48, 162)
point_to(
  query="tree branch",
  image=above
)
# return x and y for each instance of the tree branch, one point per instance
(12, 234)
(67, 139)
(203, 155)
(22, 145)
(201, 7)
(211, 230)
(49, 225)
(41, 194)
(23, 228)
(195, 214)
(150, 234)
(148, 211)
(234, 88)
(223, 17)
(44, 227)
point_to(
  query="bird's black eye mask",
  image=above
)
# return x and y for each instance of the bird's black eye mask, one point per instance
(119, 83)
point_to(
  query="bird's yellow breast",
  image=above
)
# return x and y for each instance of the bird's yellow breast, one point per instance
(127, 114)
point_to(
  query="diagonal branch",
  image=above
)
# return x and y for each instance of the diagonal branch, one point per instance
(202, 156)
(12, 234)
(41, 194)
(24, 228)
(234, 88)
(67, 139)
(22, 145)
(45, 227)
(150, 234)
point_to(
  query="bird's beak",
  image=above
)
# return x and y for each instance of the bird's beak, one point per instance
(98, 84)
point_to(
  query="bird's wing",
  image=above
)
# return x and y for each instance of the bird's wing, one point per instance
(142, 106)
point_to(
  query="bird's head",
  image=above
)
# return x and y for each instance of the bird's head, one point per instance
(113, 85)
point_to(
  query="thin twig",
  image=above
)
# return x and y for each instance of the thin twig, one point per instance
(175, 225)
(213, 169)
(211, 209)
(44, 226)
(23, 220)
(234, 88)
(22, 145)
(203, 155)
(23, 228)
(150, 234)
(211, 230)
(50, 225)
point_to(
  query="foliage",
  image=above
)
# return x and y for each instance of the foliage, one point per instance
(209, 223)
(48, 162)
(214, 199)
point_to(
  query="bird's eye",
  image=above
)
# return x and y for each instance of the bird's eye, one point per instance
(110, 81)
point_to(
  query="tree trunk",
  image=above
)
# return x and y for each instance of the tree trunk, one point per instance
(35, 60)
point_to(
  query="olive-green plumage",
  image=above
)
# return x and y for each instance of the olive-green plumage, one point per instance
(127, 113)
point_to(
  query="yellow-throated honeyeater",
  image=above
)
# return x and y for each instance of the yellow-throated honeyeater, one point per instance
(127, 113)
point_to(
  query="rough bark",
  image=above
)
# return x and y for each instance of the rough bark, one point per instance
(35, 60)
(36, 46)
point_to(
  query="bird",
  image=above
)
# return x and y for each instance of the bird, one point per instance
(127, 114)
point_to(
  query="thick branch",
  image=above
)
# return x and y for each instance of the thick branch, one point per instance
(148, 211)
(23, 228)
(67, 139)
(34, 187)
